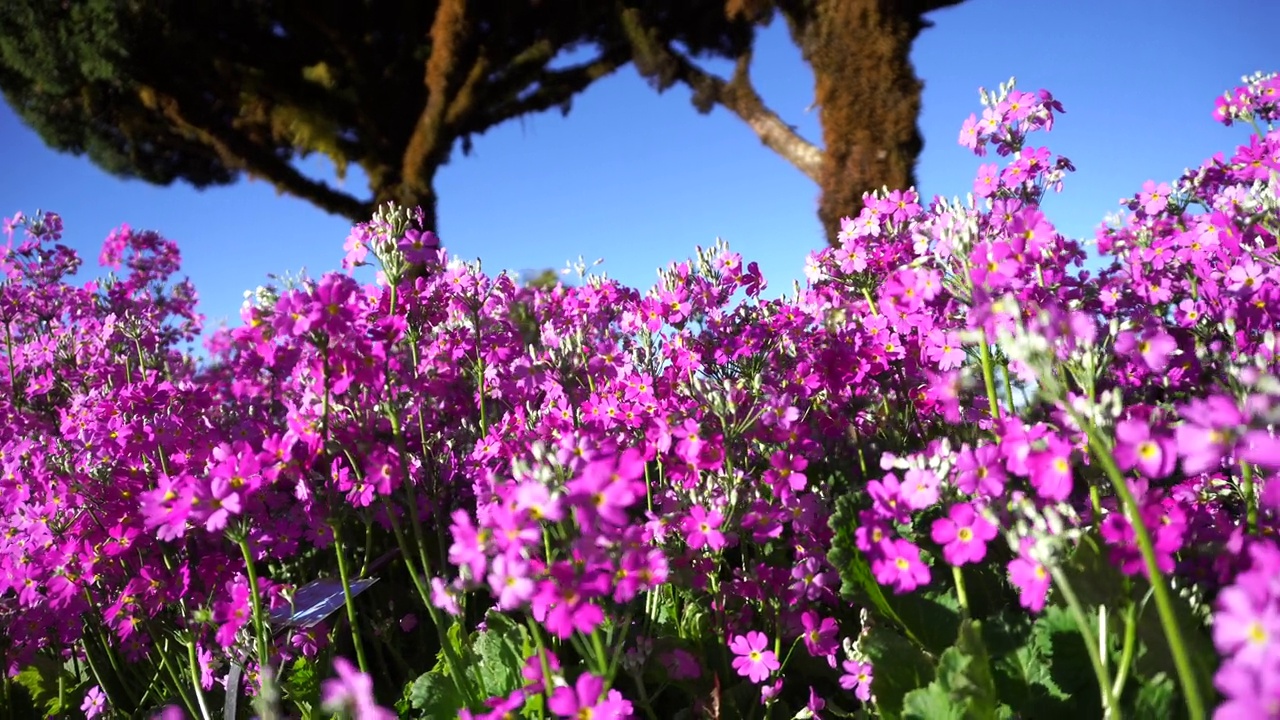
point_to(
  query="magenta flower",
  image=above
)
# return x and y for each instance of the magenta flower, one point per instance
(1030, 577)
(579, 701)
(857, 677)
(682, 665)
(1050, 470)
(1154, 198)
(964, 534)
(702, 528)
(559, 604)
(979, 471)
(1154, 454)
(920, 488)
(754, 662)
(95, 703)
(900, 566)
(352, 692)
(1246, 626)
(1208, 431)
(232, 613)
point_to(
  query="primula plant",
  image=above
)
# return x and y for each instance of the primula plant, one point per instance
(954, 475)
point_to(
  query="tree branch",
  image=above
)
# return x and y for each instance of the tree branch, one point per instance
(237, 152)
(663, 65)
(554, 87)
(448, 32)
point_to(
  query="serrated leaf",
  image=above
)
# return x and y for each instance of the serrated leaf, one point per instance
(435, 696)
(301, 684)
(1020, 668)
(931, 617)
(40, 679)
(899, 667)
(499, 649)
(1063, 648)
(970, 682)
(931, 703)
(1156, 698)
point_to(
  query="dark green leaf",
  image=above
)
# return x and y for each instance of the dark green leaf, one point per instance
(931, 703)
(899, 667)
(500, 651)
(435, 696)
(1157, 698)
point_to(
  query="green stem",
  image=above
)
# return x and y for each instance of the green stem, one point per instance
(1109, 707)
(988, 376)
(345, 575)
(1008, 385)
(1164, 601)
(1250, 499)
(194, 665)
(961, 594)
(17, 399)
(451, 658)
(1130, 644)
(260, 630)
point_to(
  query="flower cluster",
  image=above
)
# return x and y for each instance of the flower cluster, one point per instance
(613, 502)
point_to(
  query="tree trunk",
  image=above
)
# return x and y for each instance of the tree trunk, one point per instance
(868, 93)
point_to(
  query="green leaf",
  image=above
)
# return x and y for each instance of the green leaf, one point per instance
(301, 684)
(1070, 669)
(1020, 667)
(435, 695)
(931, 703)
(899, 666)
(40, 679)
(967, 673)
(1157, 698)
(500, 649)
(930, 616)
(1098, 583)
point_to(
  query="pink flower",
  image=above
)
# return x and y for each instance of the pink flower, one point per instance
(900, 566)
(95, 703)
(1154, 199)
(578, 701)
(857, 677)
(352, 692)
(1154, 454)
(1030, 577)
(702, 528)
(964, 534)
(1050, 470)
(920, 488)
(754, 662)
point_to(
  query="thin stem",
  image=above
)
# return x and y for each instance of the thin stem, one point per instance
(961, 594)
(260, 630)
(347, 600)
(1091, 643)
(452, 660)
(988, 376)
(17, 399)
(1250, 499)
(193, 665)
(1130, 644)
(1160, 589)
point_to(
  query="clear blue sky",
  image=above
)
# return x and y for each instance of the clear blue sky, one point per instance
(640, 179)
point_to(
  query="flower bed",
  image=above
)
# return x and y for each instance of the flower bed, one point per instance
(953, 476)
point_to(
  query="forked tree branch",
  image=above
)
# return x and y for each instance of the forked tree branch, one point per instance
(663, 65)
(238, 152)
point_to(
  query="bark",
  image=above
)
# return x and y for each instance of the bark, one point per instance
(867, 92)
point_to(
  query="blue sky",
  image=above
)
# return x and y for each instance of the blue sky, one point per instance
(640, 178)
